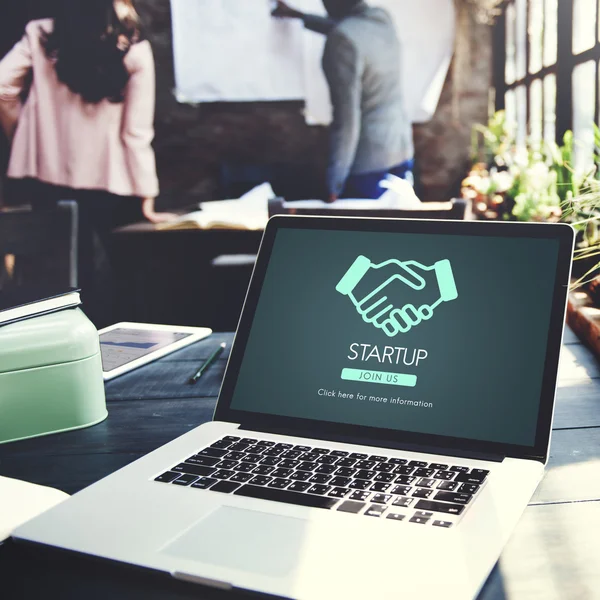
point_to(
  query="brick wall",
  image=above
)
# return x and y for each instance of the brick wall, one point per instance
(442, 145)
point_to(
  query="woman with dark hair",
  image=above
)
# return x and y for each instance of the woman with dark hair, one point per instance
(84, 131)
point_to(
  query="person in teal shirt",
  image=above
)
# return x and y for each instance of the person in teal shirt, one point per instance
(370, 135)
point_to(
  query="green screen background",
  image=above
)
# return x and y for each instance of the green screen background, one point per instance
(486, 349)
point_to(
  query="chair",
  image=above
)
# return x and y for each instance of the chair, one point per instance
(39, 247)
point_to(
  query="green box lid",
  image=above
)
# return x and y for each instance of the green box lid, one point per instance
(51, 339)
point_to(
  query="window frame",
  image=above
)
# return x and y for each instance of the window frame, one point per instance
(566, 63)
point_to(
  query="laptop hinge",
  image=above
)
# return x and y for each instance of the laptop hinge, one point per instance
(424, 448)
(213, 583)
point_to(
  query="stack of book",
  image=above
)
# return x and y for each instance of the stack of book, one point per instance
(20, 303)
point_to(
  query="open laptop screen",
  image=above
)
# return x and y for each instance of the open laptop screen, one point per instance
(427, 333)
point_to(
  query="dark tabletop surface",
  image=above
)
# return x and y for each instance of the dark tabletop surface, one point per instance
(553, 553)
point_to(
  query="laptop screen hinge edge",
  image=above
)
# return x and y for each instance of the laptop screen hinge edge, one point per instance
(423, 448)
(191, 578)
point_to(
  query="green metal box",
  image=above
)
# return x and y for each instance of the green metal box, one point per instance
(50, 376)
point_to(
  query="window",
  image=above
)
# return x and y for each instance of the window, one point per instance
(584, 25)
(535, 29)
(550, 77)
(521, 37)
(584, 101)
(536, 100)
(550, 28)
(530, 50)
(549, 104)
(511, 47)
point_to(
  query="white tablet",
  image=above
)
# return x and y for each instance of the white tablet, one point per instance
(127, 346)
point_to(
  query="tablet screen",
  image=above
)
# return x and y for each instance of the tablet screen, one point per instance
(121, 346)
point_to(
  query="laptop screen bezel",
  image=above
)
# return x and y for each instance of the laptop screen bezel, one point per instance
(563, 233)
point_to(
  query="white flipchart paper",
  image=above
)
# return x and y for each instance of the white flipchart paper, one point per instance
(233, 50)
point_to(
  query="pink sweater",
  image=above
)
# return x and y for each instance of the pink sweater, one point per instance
(61, 139)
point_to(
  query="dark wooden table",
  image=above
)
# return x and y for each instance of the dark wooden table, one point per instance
(554, 552)
(165, 276)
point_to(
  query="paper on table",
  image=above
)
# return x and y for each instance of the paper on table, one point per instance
(399, 195)
(250, 211)
(21, 501)
(345, 204)
(364, 205)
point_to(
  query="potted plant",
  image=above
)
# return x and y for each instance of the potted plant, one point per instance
(530, 181)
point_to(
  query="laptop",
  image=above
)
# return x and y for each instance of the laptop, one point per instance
(384, 418)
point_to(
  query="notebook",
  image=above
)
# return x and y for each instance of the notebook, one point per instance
(21, 501)
(250, 211)
(26, 302)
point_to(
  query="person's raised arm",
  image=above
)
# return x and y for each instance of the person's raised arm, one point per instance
(343, 73)
(14, 69)
(315, 23)
(137, 130)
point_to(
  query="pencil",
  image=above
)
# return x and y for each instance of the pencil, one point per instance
(207, 363)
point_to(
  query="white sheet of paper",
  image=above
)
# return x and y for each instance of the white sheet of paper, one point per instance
(426, 29)
(317, 109)
(233, 50)
(21, 501)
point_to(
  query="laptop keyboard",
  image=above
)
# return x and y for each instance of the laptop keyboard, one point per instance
(375, 485)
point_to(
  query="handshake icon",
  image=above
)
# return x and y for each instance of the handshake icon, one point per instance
(380, 292)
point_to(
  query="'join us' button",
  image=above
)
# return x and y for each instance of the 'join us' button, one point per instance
(379, 377)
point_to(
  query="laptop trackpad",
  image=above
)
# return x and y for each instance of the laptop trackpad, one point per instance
(243, 539)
